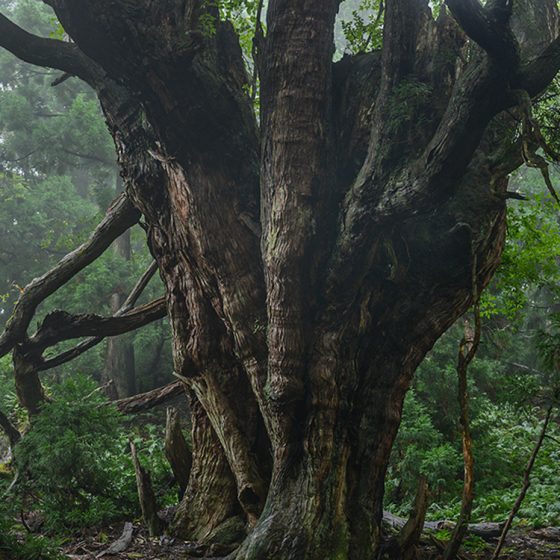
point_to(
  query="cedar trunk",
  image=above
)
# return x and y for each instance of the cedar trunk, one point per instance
(310, 260)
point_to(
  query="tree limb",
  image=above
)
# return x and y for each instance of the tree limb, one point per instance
(89, 343)
(536, 75)
(50, 53)
(400, 36)
(60, 325)
(140, 286)
(489, 27)
(145, 401)
(120, 216)
(90, 157)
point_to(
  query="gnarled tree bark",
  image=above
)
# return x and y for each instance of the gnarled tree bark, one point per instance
(309, 263)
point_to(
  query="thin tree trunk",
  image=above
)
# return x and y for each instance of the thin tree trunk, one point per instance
(467, 351)
(119, 360)
(526, 484)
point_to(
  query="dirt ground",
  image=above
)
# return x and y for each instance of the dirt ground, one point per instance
(521, 545)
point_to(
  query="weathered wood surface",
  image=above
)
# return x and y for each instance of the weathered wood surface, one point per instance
(122, 543)
(155, 397)
(176, 449)
(146, 496)
(486, 530)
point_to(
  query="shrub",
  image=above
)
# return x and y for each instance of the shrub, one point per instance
(74, 462)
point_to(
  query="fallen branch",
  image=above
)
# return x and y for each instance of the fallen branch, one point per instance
(122, 543)
(145, 401)
(487, 531)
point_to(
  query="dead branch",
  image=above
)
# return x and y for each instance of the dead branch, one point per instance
(89, 343)
(410, 533)
(121, 216)
(526, 484)
(487, 531)
(50, 53)
(145, 401)
(60, 325)
(122, 543)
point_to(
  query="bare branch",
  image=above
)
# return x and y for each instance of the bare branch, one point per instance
(90, 157)
(50, 53)
(145, 401)
(60, 325)
(120, 216)
(526, 484)
(138, 289)
(89, 343)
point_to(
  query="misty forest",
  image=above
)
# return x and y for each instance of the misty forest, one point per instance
(280, 279)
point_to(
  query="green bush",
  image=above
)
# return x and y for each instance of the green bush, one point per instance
(17, 544)
(74, 462)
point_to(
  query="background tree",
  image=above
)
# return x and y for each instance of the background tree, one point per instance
(309, 263)
(58, 174)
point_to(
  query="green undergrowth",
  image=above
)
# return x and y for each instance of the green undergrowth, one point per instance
(75, 466)
(504, 435)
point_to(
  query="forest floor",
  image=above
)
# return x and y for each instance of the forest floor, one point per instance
(523, 544)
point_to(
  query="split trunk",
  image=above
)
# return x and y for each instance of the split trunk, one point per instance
(310, 260)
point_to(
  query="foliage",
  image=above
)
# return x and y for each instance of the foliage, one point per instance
(419, 450)
(57, 177)
(363, 25)
(18, 545)
(408, 98)
(76, 460)
(529, 263)
(504, 427)
(72, 459)
(548, 342)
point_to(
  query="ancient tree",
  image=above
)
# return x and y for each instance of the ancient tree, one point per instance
(314, 253)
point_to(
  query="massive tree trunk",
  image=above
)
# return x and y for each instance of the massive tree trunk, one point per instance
(312, 261)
